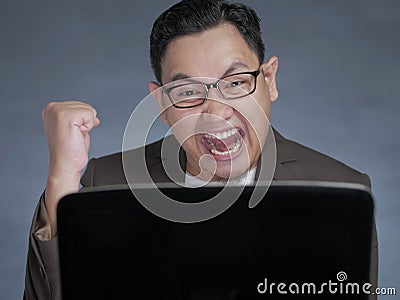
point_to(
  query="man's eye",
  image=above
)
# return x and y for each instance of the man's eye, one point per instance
(188, 93)
(236, 83)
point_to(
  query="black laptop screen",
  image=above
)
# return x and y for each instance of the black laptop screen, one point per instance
(111, 247)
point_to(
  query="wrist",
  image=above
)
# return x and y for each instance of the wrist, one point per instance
(58, 186)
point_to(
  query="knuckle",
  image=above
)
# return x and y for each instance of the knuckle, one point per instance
(60, 114)
(49, 106)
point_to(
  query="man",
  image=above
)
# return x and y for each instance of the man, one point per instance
(208, 39)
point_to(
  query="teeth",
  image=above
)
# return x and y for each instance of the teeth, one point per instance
(223, 134)
(234, 147)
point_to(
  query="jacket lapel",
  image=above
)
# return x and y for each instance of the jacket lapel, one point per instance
(285, 157)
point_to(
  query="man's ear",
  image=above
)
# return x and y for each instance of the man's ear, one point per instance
(156, 92)
(270, 69)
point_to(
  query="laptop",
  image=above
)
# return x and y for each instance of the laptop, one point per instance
(302, 240)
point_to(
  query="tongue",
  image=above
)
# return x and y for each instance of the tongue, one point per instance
(219, 145)
(225, 144)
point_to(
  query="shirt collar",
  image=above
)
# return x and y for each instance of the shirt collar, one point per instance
(245, 179)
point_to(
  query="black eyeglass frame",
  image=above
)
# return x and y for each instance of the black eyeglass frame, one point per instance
(209, 86)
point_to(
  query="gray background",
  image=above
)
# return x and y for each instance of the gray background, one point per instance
(338, 81)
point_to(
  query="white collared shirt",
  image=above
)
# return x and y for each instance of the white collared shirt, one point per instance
(245, 179)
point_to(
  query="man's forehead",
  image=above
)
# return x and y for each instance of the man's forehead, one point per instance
(213, 53)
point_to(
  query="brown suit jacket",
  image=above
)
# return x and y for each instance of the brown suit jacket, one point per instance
(294, 162)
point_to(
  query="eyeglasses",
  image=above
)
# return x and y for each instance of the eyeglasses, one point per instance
(194, 93)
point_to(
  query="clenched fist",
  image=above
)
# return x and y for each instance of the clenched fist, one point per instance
(67, 126)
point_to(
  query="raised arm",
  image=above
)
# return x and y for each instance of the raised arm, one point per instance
(67, 126)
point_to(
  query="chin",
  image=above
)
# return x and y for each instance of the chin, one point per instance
(226, 172)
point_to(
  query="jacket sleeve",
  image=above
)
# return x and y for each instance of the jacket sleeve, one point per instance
(42, 278)
(373, 278)
(374, 255)
(374, 261)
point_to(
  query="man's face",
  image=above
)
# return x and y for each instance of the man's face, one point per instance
(228, 133)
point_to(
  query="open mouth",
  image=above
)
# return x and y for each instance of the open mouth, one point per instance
(223, 144)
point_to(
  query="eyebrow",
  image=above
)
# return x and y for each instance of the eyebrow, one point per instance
(180, 76)
(233, 67)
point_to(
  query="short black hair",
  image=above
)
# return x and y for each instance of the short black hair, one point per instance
(195, 16)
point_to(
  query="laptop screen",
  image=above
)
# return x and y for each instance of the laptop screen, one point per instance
(300, 236)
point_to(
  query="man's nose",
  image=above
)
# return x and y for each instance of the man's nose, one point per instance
(216, 105)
